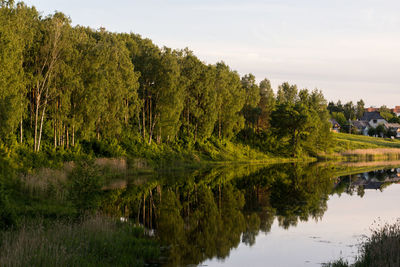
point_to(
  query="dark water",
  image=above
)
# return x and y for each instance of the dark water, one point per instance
(281, 215)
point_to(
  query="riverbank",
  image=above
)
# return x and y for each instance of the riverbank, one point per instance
(350, 147)
(62, 197)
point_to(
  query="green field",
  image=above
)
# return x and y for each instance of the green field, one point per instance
(345, 142)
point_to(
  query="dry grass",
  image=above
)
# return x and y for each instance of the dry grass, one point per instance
(46, 182)
(372, 151)
(96, 240)
(115, 164)
(394, 163)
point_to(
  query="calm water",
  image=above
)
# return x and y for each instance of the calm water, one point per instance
(282, 215)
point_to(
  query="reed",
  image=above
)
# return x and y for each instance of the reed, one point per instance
(94, 240)
(382, 248)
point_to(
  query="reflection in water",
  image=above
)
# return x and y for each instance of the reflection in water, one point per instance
(205, 214)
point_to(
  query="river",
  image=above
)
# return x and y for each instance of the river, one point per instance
(279, 215)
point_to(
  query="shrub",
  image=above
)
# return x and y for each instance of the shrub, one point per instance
(85, 185)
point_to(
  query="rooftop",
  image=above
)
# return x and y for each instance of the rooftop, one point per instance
(371, 116)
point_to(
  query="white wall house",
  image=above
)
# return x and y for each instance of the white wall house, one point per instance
(373, 118)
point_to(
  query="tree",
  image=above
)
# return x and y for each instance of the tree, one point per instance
(49, 43)
(291, 121)
(380, 130)
(230, 101)
(266, 104)
(349, 111)
(386, 113)
(360, 109)
(16, 27)
(303, 124)
(340, 118)
(252, 93)
(286, 93)
(198, 116)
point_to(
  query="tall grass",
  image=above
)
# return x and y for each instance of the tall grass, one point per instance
(95, 240)
(382, 248)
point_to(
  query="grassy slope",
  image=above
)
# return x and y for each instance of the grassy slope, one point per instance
(346, 142)
(350, 147)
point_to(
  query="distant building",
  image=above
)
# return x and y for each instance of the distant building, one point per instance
(395, 127)
(361, 126)
(373, 118)
(371, 109)
(335, 126)
(396, 110)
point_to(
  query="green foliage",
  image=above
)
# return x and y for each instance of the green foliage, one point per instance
(380, 130)
(301, 121)
(372, 131)
(360, 109)
(340, 118)
(7, 215)
(386, 113)
(266, 104)
(85, 186)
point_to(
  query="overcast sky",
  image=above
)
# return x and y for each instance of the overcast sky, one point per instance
(350, 49)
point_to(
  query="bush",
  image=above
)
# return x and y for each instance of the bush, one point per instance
(7, 215)
(85, 185)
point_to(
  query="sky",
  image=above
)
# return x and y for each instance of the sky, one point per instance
(349, 49)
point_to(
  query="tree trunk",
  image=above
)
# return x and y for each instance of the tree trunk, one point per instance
(144, 121)
(219, 127)
(67, 138)
(144, 210)
(126, 113)
(59, 132)
(55, 133)
(188, 119)
(195, 133)
(36, 120)
(41, 124)
(21, 130)
(294, 141)
(150, 130)
(73, 134)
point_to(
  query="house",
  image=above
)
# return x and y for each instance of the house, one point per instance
(361, 126)
(371, 109)
(396, 110)
(395, 127)
(335, 126)
(373, 118)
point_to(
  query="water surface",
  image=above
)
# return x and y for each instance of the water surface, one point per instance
(280, 215)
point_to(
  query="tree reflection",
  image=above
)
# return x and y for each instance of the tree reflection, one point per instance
(204, 214)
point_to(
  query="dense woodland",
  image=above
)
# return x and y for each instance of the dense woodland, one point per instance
(62, 85)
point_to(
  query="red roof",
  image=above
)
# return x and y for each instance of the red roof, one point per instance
(396, 109)
(371, 109)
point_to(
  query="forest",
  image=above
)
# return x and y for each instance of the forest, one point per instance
(73, 88)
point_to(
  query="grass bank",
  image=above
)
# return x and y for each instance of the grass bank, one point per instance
(350, 147)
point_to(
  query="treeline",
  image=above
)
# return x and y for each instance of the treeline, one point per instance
(60, 85)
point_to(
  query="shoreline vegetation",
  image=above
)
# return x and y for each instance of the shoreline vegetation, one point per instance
(381, 248)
